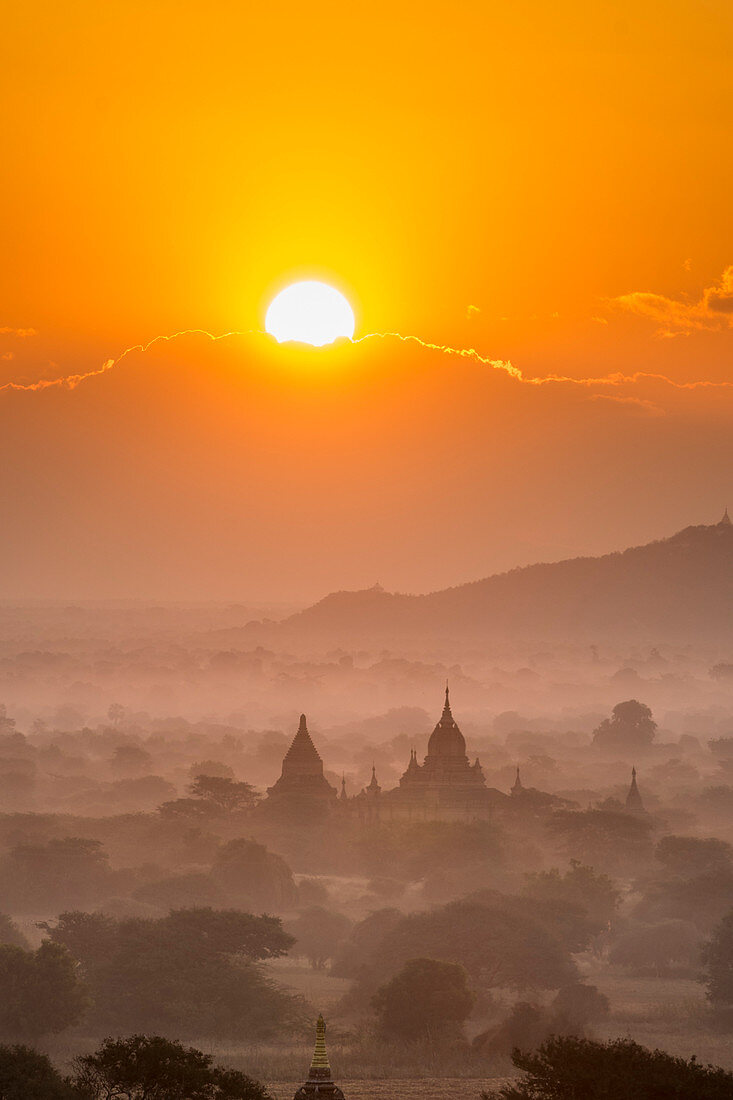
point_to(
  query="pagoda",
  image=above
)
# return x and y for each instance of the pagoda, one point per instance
(446, 785)
(320, 1081)
(634, 804)
(302, 781)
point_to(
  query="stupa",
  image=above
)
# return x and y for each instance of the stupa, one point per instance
(320, 1080)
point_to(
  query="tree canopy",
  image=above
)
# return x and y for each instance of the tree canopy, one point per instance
(630, 727)
(148, 1067)
(568, 1068)
(193, 971)
(41, 991)
(427, 999)
(27, 1075)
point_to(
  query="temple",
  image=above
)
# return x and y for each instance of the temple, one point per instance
(446, 786)
(302, 784)
(634, 804)
(726, 520)
(320, 1081)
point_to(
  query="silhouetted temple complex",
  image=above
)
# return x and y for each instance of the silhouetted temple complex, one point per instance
(445, 787)
(320, 1081)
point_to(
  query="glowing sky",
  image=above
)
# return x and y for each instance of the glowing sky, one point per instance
(548, 184)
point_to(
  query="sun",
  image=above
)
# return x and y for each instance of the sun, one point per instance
(311, 313)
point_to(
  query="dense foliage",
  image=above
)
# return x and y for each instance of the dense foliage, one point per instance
(40, 991)
(27, 1075)
(427, 999)
(568, 1068)
(193, 972)
(148, 1067)
(718, 958)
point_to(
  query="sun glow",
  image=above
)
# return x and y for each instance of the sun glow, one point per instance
(311, 313)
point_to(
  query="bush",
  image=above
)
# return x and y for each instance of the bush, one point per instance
(426, 1000)
(27, 1075)
(656, 949)
(568, 1068)
(251, 876)
(147, 1067)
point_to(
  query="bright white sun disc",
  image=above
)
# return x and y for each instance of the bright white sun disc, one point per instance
(311, 313)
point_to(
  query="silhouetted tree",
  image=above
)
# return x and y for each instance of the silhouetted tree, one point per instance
(130, 761)
(496, 943)
(193, 971)
(528, 1025)
(46, 877)
(427, 999)
(147, 1067)
(581, 885)
(630, 727)
(355, 955)
(252, 876)
(601, 838)
(703, 899)
(41, 991)
(568, 1068)
(658, 948)
(318, 933)
(225, 793)
(27, 1075)
(692, 855)
(576, 1006)
(11, 934)
(211, 768)
(717, 956)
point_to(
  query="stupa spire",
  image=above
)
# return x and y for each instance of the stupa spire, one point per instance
(446, 708)
(320, 1057)
(726, 520)
(320, 1085)
(634, 804)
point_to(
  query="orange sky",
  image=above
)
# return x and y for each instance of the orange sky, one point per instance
(549, 184)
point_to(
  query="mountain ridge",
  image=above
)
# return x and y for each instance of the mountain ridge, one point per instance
(676, 587)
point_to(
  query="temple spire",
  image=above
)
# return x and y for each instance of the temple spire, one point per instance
(446, 708)
(634, 804)
(726, 520)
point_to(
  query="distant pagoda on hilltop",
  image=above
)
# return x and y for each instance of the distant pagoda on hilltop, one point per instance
(320, 1081)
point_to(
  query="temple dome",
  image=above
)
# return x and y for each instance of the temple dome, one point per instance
(446, 739)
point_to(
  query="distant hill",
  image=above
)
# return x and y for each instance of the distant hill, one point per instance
(677, 589)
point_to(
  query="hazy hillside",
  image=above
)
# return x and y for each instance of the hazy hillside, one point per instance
(680, 587)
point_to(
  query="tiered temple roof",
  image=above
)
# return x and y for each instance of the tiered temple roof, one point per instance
(302, 770)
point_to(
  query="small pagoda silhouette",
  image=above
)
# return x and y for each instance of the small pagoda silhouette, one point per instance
(320, 1082)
